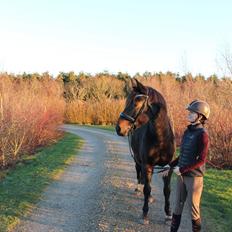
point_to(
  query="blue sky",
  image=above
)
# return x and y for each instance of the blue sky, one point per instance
(114, 35)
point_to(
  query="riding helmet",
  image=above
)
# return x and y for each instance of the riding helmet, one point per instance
(200, 107)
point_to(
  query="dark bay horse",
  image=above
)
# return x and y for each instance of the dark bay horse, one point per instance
(145, 119)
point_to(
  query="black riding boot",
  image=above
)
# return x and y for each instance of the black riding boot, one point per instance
(196, 225)
(175, 222)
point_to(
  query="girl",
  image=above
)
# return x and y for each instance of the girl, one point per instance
(190, 165)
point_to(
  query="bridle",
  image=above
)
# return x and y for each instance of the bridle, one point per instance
(133, 119)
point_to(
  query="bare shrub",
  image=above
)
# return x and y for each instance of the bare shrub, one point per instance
(30, 111)
(103, 112)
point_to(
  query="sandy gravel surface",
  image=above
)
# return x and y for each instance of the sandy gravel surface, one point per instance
(96, 192)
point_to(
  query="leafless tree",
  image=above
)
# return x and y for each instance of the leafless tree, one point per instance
(224, 61)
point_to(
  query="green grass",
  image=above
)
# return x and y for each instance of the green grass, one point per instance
(21, 187)
(217, 200)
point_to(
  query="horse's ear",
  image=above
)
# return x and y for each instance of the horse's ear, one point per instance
(134, 83)
(138, 86)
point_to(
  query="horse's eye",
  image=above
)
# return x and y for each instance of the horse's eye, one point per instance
(139, 98)
(138, 101)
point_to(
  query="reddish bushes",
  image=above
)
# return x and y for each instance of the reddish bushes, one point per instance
(30, 111)
(32, 107)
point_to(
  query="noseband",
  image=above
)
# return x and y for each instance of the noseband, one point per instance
(127, 117)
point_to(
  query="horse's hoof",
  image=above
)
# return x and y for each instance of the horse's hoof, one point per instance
(168, 217)
(138, 192)
(145, 221)
(151, 199)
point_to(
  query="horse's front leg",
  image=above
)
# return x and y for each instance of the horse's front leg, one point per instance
(167, 191)
(139, 177)
(148, 171)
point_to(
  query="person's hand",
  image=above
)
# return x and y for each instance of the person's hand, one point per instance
(177, 170)
(165, 171)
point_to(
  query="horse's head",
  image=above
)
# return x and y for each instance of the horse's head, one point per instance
(137, 109)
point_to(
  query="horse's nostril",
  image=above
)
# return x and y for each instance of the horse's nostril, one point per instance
(117, 129)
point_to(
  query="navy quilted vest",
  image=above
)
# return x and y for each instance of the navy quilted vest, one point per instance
(189, 150)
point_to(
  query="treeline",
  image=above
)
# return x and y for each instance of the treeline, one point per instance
(98, 99)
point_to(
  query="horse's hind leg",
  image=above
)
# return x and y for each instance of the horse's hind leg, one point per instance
(147, 191)
(167, 191)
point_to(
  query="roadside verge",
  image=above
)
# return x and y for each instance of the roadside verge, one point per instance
(21, 187)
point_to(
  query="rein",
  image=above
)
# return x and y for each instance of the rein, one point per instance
(133, 120)
(130, 148)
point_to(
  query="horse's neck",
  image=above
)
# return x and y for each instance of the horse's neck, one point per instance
(160, 126)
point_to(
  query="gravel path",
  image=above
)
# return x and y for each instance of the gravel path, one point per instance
(96, 192)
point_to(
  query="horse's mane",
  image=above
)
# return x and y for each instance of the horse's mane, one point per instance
(156, 97)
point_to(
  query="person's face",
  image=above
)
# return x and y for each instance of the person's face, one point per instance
(192, 116)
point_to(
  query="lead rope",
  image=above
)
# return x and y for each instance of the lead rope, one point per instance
(133, 128)
(130, 148)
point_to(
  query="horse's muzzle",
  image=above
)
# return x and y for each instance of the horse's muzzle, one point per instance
(118, 130)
